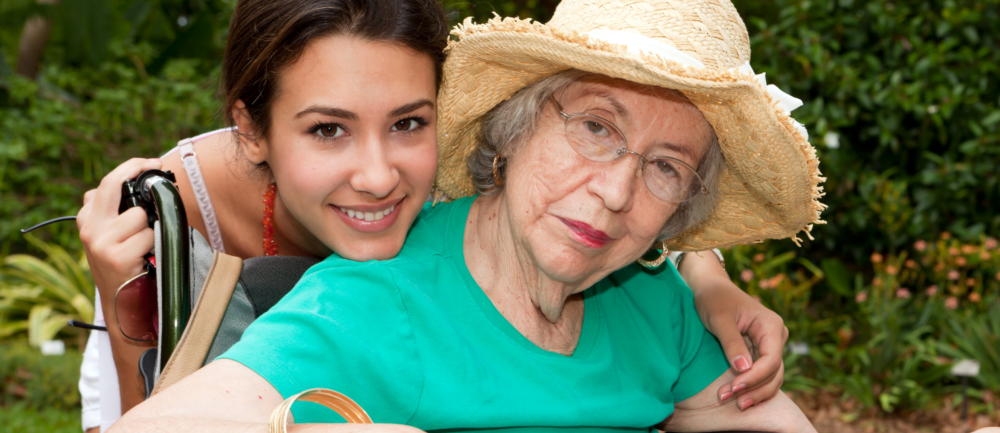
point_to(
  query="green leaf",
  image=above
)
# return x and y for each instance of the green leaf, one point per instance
(837, 277)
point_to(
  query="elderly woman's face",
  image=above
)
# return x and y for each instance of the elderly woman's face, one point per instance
(582, 219)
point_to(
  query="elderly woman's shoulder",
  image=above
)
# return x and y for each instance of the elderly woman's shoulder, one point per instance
(657, 285)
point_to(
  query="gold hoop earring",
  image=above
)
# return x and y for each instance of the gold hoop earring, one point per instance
(496, 176)
(659, 260)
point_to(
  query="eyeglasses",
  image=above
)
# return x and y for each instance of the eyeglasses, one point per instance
(599, 140)
(136, 309)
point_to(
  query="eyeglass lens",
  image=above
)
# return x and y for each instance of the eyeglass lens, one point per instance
(136, 309)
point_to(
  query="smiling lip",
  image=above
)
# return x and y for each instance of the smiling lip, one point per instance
(374, 226)
(586, 234)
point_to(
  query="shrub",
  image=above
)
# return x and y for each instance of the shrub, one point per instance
(37, 381)
(902, 110)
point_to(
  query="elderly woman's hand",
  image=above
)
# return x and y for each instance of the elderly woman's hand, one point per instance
(730, 314)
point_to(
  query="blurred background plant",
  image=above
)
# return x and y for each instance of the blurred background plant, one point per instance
(38, 297)
(902, 105)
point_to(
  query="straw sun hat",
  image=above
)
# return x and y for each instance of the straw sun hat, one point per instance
(770, 186)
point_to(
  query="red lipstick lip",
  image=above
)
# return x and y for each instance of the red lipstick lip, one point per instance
(587, 234)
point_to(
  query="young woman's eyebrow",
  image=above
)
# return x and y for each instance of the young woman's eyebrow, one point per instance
(411, 107)
(328, 111)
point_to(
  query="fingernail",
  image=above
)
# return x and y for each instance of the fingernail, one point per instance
(738, 388)
(725, 396)
(742, 364)
(746, 403)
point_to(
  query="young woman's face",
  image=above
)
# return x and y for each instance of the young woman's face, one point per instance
(352, 144)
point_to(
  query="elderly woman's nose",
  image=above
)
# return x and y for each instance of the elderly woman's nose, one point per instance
(617, 181)
(375, 171)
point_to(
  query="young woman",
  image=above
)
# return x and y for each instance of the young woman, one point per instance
(334, 103)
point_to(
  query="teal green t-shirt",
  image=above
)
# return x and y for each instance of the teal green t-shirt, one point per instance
(415, 341)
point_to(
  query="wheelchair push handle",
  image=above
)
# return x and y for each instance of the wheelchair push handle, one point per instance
(154, 191)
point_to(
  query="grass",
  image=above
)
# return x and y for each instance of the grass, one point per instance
(24, 419)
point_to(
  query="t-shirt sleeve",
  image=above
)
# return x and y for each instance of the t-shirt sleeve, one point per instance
(702, 358)
(343, 327)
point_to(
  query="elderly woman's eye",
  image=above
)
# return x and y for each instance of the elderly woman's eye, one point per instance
(328, 130)
(597, 128)
(666, 168)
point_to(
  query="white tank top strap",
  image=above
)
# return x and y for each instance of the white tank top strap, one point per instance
(193, 169)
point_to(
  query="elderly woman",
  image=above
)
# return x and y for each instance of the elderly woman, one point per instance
(614, 129)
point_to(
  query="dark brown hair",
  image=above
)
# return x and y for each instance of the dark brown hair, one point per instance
(266, 36)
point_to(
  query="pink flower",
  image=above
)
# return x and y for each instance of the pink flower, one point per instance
(746, 275)
(759, 257)
(953, 275)
(990, 243)
(910, 264)
(960, 261)
(903, 293)
(984, 255)
(970, 282)
(891, 270)
(953, 251)
(920, 245)
(975, 297)
(951, 303)
(861, 297)
(876, 258)
(968, 249)
(932, 290)
(876, 281)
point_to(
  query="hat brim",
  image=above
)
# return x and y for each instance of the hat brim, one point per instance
(769, 189)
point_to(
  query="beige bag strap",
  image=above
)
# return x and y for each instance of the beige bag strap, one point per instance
(211, 305)
(340, 403)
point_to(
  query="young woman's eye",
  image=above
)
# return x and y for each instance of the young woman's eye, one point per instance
(409, 124)
(328, 130)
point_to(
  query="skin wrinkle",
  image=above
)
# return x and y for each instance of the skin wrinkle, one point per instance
(539, 268)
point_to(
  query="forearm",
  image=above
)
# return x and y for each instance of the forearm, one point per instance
(703, 271)
(704, 412)
(126, 354)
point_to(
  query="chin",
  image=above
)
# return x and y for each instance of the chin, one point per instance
(566, 265)
(378, 251)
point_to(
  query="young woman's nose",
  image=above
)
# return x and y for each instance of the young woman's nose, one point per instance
(376, 174)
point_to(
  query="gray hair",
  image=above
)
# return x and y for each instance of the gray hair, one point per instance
(512, 123)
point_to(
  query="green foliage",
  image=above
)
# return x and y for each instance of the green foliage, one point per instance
(900, 104)
(23, 419)
(886, 341)
(97, 103)
(33, 380)
(39, 297)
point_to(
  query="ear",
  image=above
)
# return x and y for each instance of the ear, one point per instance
(254, 146)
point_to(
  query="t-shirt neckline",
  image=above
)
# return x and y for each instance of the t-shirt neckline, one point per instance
(455, 247)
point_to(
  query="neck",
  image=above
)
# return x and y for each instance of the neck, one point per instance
(546, 311)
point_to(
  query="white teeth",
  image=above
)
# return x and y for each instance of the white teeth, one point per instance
(368, 216)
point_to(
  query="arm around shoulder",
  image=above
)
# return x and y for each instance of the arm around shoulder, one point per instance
(704, 412)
